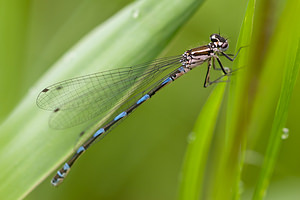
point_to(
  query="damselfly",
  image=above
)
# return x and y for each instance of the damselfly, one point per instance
(121, 91)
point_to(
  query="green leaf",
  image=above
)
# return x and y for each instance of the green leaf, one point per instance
(269, 77)
(227, 175)
(199, 144)
(291, 70)
(29, 149)
(278, 132)
(14, 20)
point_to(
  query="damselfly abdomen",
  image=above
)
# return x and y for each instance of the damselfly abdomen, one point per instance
(120, 91)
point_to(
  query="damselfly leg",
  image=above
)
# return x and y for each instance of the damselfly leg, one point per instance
(225, 70)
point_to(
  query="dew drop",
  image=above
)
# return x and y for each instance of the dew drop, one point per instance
(285, 133)
(191, 137)
(135, 13)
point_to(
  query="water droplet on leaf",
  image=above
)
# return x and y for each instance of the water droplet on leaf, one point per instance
(285, 133)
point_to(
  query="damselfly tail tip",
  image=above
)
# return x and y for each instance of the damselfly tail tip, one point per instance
(56, 181)
(60, 175)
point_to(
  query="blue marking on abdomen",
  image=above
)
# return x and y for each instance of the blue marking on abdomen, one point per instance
(121, 115)
(80, 149)
(181, 69)
(167, 80)
(60, 174)
(66, 167)
(144, 98)
(100, 131)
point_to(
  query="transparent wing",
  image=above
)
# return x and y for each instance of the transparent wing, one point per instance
(77, 100)
(129, 102)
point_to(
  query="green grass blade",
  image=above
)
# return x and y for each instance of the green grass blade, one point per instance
(14, 22)
(228, 170)
(291, 73)
(270, 77)
(29, 149)
(279, 56)
(199, 144)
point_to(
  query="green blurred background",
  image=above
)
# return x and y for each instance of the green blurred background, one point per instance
(142, 157)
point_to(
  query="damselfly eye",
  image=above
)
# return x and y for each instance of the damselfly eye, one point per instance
(224, 46)
(214, 38)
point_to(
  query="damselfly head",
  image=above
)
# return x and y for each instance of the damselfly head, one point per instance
(219, 42)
